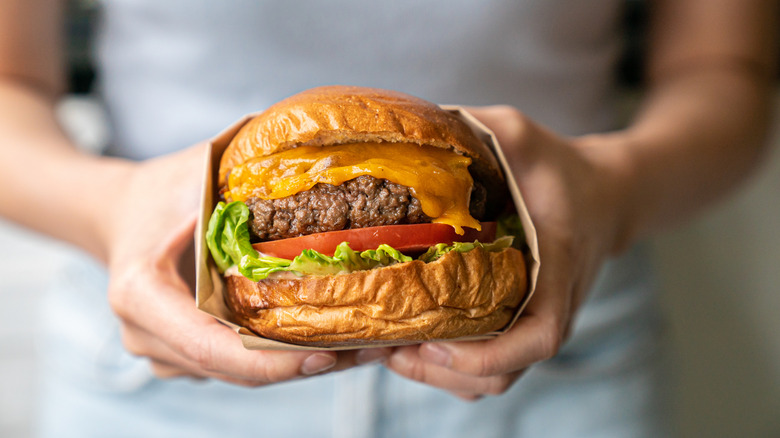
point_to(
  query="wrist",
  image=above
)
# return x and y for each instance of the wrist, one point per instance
(108, 177)
(610, 154)
(83, 191)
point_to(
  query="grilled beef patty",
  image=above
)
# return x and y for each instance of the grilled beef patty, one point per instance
(359, 203)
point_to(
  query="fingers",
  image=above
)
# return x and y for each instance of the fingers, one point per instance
(166, 371)
(408, 362)
(536, 336)
(162, 323)
(182, 237)
(166, 362)
(467, 396)
(365, 356)
(516, 133)
(532, 341)
(490, 367)
(176, 332)
(470, 369)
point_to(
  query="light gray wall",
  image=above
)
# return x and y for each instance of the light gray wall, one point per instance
(722, 278)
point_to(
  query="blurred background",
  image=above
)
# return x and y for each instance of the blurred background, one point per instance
(720, 272)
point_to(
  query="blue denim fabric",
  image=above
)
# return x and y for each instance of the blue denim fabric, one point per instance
(606, 382)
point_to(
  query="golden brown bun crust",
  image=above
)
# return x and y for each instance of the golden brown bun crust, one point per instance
(461, 294)
(331, 115)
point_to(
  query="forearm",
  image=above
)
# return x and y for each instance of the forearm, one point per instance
(702, 126)
(49, 185)
(697, 136)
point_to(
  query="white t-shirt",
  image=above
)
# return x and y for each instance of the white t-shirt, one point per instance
(175, 72)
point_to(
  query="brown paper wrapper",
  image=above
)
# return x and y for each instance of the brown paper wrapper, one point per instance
(210, 285)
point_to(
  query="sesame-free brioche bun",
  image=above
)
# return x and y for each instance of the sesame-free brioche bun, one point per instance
(336, 114)
(458, 295)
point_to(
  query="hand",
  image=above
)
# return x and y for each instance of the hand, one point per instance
(574, 193)
(149, 231)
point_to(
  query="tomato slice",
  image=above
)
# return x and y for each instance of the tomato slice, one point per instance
(410, 239)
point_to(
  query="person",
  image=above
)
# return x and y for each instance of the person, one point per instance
(126, 352)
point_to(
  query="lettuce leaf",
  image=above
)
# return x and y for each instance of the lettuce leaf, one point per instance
(510, 225)
(227, 237)
(435, 252)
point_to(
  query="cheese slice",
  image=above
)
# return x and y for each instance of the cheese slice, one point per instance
(438, 178)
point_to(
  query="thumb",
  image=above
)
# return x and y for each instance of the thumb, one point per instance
(181, 237)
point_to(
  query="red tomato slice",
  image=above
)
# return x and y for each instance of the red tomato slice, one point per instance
(409, 239)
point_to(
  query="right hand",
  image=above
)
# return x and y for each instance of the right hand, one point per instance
(574, 189)
(148, 231)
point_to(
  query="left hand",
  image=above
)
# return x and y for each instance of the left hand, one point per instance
(148, 231)
(575, 192)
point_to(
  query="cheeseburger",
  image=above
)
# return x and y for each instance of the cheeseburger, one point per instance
(359, 216)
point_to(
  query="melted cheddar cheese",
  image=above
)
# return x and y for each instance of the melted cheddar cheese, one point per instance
(438, 178)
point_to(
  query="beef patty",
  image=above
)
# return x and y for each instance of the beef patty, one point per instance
(362, 202)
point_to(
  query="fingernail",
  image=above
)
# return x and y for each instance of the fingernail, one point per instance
(372, 355)
(468, 397)
(317, 363)
(437, 354)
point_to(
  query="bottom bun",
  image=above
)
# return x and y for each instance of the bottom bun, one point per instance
(458, 295)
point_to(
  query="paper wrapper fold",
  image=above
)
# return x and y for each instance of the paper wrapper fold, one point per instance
(210, 285)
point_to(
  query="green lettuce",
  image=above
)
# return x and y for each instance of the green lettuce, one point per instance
(227, 237)
(438, 250)
(510, 225)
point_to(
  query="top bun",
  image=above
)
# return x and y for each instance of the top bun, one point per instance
(333, 115)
